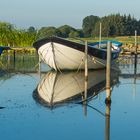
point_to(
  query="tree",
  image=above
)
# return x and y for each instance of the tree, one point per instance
(66, 30)
(31, 29)
(112, 25)
(6, 33)
(88, 25)
(74, 34)
(47, 32)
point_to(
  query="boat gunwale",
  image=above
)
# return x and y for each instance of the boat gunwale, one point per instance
(92, 51)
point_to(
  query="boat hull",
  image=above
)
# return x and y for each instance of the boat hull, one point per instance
(63, 54)
(60, 57)
(2, 48)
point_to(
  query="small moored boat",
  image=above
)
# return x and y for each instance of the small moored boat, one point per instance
(63, 54)
(2, 48)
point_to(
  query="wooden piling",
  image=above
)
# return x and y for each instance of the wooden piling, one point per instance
(108, 65)
(9, 58)
(39, 66)
(108, 91)
(135, 41)
(135, 64)
(100, 35)
(14, 57)
(135, 59)
(86, 79)
(86, 60)
(108, 74)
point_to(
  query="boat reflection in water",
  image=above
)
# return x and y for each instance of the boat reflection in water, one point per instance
(56, 89)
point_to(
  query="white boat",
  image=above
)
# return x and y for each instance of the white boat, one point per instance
(62, 54)
(67, 87)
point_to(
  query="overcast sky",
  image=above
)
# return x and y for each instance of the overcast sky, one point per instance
(38, 13)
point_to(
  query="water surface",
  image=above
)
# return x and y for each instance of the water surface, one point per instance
(23, 117)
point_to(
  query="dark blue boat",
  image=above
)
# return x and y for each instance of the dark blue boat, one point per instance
(2, 48)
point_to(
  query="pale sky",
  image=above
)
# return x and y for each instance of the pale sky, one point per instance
(39, 13)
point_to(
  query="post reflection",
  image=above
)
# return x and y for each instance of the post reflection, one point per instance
(85, 97)
(107, 114)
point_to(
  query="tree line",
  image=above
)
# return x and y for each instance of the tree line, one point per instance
(112, 25)
(11, 36)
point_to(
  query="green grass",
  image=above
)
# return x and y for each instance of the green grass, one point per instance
(123, 39)
(128, 43)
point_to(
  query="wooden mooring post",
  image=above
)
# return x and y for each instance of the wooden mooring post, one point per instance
(86, 79)
(14, 58)
(86, 60)
(135, 59)
(108, 74)
(100, 35)
(108, 92)
(39, 66)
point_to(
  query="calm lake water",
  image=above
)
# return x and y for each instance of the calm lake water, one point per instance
(26, 113)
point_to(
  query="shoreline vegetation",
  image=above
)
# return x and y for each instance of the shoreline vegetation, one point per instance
(128, 46)
(114, 27)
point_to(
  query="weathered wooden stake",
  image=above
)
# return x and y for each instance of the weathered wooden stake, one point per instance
(9, 58)
(86, 60)
(100, 35)
(108, 92)
(39, 66)
(135, 41)
(135, 63)
(108, 70)
(14, 57)
(135, 58)
(135, 69)
(14, 53)
(86, 79)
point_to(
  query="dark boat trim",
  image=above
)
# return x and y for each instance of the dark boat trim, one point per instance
(99, 53)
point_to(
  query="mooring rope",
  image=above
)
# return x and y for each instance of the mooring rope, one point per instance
(83, 57)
